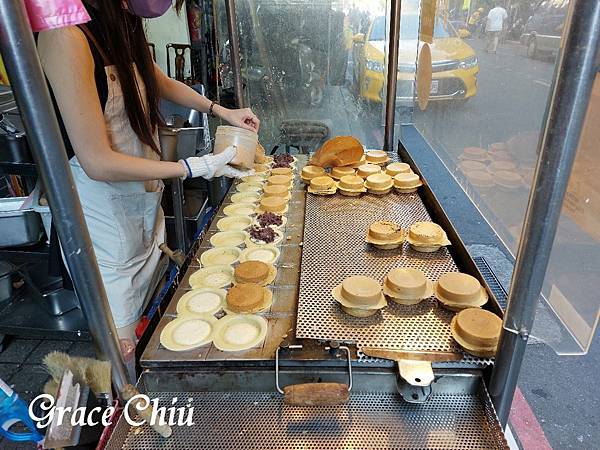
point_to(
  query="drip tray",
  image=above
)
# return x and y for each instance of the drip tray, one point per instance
(458, 415)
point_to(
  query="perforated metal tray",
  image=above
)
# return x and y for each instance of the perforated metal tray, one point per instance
(334, 249)
(458, 415)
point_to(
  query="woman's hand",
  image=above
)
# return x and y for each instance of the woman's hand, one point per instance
(243, 118)
(208, 165)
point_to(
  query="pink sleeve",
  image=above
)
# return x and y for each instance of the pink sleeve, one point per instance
(49, 14)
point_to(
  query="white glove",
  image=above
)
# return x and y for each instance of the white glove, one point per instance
(208, 165)
(231, 172)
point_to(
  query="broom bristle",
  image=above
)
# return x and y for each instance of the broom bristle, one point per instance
(56, 363)
(92, 372)
(51, 387)
(98, 376)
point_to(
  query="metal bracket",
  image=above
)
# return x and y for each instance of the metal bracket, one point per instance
(299, 346)
(412, 394)
(416, 373)
(414, 381)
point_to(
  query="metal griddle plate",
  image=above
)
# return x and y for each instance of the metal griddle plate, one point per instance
(334, 248)
(371, 420)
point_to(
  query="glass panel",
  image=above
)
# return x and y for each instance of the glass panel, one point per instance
(573, 279)
(488, 96)
(304, 61)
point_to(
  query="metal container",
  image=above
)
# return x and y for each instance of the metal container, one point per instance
(178, 143)
(20, 226)
(14, 148)
(6, 287)
(60, 301)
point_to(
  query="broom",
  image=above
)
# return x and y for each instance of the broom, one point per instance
(93, 373)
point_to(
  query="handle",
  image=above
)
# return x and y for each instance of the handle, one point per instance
(129, 391)
(176, 256)
(315, 394)
(20, 437)
(22, 415)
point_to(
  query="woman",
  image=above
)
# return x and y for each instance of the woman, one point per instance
(106, 88)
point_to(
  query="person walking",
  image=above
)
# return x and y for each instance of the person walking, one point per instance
(496, 19)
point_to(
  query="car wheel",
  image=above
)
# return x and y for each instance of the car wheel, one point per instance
(532, 48)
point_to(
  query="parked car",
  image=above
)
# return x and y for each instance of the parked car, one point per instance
(543, 30)
(454, 62)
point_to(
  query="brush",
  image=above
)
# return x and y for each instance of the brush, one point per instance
(91, 372)
(97, 375)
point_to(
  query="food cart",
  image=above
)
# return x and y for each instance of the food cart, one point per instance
(408, 384)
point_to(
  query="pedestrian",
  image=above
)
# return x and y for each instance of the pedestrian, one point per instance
(494, 26)
(106, 88)
(474, 20)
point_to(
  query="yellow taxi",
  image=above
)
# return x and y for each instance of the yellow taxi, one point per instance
(454, 63)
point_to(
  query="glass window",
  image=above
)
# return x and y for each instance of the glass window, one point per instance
(310, 61)
(487, 101)
(491, 78)
(572, 281)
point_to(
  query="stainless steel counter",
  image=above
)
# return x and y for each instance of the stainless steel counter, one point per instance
(233, 394)
(334, 249)
(281, 317)
(241, 410)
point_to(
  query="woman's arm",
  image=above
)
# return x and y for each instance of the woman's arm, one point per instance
(69, 66)
(184, 95)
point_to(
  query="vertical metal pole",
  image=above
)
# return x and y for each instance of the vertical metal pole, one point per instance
(567, 107)
(279, 100)
(178, 214)
(234, 55)
(31, 92)
(392, 75)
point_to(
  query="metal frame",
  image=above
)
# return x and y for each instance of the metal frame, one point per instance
(234, 46)
(31, 92)
(564, 120)
(392, 75)
(299, 347)
(566, 111)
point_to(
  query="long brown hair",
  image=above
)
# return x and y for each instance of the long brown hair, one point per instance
(124, 34)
